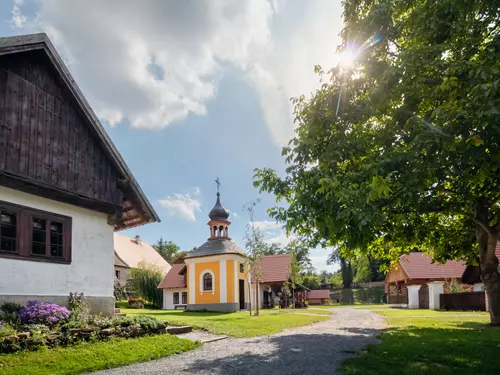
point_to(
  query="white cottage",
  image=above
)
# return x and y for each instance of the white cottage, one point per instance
(64, 188)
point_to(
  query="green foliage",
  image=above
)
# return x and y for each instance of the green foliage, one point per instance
(411, 159)
(147, 322)
(90, 357)
(335, 279)
(80, 309)
(311, 281)
(9, 312)
(6, 329)
(145, 280)
(167, 249)
(178, 258)
(363, 271)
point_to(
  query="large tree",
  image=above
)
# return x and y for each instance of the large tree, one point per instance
(167, 249)
(401, 149)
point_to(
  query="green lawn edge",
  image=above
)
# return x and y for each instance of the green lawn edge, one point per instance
(89, 357)
(238, 324)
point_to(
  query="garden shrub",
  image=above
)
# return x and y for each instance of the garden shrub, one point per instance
(80, 308)
(9, 312)
(147, 322)
(136, 303)
(46, 313)
(6, 329)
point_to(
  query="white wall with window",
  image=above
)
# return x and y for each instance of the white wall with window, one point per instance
(50, 249)
(174, 297)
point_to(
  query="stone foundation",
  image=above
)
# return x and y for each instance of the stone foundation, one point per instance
(104, 305)
(222, 307)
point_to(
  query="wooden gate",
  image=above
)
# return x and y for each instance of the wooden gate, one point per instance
(423, 297)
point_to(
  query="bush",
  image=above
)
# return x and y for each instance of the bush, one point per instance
(6, 329)
(9, 312)
(147, 322)
(46, 313)
(136, 303)
(80, 308)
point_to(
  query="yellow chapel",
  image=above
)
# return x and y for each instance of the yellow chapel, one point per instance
(213, 277)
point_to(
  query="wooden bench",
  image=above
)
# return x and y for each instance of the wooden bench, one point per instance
(182, 307)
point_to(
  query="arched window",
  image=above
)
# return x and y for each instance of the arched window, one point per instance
(207, 282)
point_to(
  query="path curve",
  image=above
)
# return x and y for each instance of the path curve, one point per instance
(315, 349)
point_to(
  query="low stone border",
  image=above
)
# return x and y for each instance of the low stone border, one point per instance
(24, 340)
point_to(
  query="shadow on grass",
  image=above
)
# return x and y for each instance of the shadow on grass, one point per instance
(467, 348)
(181, 313)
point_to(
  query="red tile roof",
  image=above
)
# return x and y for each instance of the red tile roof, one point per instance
(420, 266)
(173, 279)
(323, 293)
(274, 268)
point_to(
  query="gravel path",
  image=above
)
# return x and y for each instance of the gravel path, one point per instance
(315, 349)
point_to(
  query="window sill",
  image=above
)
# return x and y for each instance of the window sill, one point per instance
(208, 291)
(33, 258)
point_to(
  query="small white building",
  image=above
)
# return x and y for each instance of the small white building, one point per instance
(64, 188)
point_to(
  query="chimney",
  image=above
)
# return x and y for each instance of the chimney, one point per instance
(138, 240)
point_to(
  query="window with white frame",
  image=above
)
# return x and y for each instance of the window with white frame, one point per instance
(207, 282)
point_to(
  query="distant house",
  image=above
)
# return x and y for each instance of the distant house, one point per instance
(174, 287)
(410, 282)
(318, 297)
(64, 187)
(130, 252)
(274, 271)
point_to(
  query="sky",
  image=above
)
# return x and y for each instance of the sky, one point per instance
(190, 91)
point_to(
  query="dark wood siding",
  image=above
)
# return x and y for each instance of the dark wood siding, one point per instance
(44, 137)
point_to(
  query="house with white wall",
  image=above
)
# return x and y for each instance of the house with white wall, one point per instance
(64, 187)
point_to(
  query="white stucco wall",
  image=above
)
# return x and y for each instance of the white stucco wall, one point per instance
(91, 269)
(168, 297)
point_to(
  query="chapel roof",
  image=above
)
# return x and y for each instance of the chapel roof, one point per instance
(215, 246)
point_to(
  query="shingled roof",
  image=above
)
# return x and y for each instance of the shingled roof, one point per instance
(274, 268)
(173, 278)
(420, 266)
(215, 247)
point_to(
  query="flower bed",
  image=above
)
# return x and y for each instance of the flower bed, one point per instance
(43, 324)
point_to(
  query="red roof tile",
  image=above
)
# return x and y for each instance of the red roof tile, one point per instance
(322, 293)
(420, 266)
(274, 268)
(173, 279)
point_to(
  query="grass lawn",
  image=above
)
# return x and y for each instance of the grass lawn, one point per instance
(88, 357)
(238, 324)
(431, 342)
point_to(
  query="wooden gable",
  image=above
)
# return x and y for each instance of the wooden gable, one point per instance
(51, 143)
(44, 137)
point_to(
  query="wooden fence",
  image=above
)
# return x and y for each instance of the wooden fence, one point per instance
(463, 301)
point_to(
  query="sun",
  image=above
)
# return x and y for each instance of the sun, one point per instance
(347, 59)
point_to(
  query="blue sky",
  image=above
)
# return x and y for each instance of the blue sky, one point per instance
(192, 90)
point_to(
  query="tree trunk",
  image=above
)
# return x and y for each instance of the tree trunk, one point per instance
(257, 298)
(487, 241)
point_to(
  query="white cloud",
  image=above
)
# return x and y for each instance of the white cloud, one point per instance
(18, 20)
(265, 225)
(154, 62)
(281, 239)
(184, 206)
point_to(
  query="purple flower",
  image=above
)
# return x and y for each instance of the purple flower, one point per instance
(47, 313)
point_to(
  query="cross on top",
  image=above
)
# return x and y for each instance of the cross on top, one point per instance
(218, 183)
